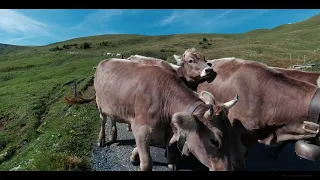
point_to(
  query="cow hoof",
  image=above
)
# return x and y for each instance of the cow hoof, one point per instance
(101, 143)
(172, 167)
(135, 162)
(112, 140)
(113, 135)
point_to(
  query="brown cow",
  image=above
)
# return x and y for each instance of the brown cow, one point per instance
(193, 70)
(188, 68)
(272, 107)
(311, 77)
(162, 111)
(154, 62)
(192, 66)
(179, 70)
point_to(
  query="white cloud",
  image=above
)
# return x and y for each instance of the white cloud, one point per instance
(169, 19)
(227, 21)
(223, 14)
(196, 19)
(97, 17)
(178, 16)
(17, 24)
(19, 39)
(100, 16)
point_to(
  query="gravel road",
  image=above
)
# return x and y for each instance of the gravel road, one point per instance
(116, 157)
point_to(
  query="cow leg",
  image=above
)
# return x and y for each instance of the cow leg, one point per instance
(129, 127)
(276, 150)
(141, 134)
(102, 135)
(238, 151)
(113, 131)
(134, 158)
(240, 163)
(171, 157)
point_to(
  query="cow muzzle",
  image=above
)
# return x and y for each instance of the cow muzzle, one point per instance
(208, 71)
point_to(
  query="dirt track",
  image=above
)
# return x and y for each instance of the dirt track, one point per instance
(116, 157)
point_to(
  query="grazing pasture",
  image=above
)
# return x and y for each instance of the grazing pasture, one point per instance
(39, 131)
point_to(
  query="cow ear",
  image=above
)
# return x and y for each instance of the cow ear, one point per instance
(207, 97)
(177, 58)
(185, 151)
(176, 122)
(174, 138)
(182, 122)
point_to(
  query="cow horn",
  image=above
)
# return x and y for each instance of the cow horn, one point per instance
(175, 67)
(209, 113)
(178, 59)
(231, 103)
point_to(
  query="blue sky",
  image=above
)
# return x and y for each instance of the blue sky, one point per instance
(41, 27)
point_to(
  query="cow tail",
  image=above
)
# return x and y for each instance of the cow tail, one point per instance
(79, 100)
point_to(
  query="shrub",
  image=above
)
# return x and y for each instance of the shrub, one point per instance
(104, 43)
(55, 49)
(86, 45)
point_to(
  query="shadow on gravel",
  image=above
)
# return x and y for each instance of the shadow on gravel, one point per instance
(126, 142)
(190, 163)
(155, 163)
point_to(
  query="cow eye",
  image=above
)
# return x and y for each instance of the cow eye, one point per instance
(214, 142)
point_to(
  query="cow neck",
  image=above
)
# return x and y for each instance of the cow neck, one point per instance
(194, 106)
(311, 125)
(191, 85)
(303, 89)
(263, 132)
(182, 138)
(180, 72)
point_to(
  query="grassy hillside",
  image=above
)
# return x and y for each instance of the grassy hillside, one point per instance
(38, 131)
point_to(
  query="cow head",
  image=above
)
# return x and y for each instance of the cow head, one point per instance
(218, 109)
(201, 134)
(193, 66)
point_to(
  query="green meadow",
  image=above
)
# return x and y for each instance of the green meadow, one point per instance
(39, 131)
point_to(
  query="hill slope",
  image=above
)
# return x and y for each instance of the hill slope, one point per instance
(38, 131)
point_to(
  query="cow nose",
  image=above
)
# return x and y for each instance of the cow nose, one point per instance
(209, 64)
(209, 70)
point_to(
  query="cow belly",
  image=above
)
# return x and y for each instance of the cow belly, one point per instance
(113, 110)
